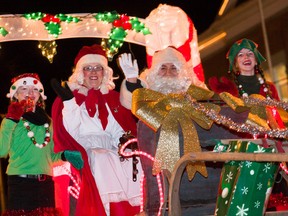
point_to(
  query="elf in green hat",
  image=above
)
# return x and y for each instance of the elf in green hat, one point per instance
(248, 78)
(244, 66)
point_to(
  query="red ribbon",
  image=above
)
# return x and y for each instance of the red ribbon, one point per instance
(93, 98)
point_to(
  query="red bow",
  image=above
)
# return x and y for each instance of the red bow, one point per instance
(94, 97)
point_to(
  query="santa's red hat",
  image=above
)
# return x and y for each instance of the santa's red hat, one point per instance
(88, 55)
(26, 79)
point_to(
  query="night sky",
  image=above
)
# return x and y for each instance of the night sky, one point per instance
(18, 57)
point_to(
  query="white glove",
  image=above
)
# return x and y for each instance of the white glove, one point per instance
(129, 68)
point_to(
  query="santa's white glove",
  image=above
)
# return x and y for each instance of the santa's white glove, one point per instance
(129, 68)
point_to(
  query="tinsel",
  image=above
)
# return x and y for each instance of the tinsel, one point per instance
(244, 128)
(266, 102)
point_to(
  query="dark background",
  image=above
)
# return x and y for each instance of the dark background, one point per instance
(18, 57)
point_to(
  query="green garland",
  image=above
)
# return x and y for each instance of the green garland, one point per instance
(120, 25)
(52, 22)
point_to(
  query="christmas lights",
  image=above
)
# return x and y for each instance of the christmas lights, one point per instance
(52, 22)
(120, 25)
(129, 154)
(48, 49)
(112, 26)
(75, 189)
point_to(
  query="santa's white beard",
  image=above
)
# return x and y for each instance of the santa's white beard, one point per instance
(167, 85)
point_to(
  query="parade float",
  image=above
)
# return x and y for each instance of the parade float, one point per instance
(226, 145)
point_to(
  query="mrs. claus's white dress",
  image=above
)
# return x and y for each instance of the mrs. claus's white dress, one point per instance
(113, 177)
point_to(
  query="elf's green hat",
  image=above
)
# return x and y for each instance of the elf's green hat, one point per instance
(240, 44)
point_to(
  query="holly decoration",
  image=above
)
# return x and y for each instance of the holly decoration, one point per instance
(3, 31)
(120, 25)
(52, 22)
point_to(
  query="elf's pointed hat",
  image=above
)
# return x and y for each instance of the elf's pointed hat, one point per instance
(240, 44)
(26, 79)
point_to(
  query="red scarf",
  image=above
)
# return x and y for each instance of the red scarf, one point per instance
(93, 98)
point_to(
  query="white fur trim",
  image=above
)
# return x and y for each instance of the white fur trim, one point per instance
(26, 81)
(92, 58)
(168, 55)
(107, 82)
(171, 55)
(126, 95)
